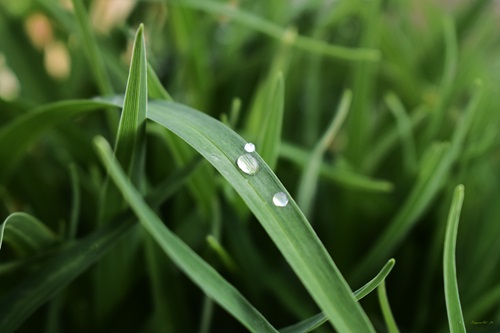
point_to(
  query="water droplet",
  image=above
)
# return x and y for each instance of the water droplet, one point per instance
(249, 147)
(248, 164)
(280, 199)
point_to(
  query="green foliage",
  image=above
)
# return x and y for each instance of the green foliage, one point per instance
(369, 113)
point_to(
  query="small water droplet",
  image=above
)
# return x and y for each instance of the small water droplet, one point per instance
(248, 164)
(249, 147)
(280, 199)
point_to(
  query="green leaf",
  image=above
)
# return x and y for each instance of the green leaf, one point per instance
(95, 60)
(434, 170)
(25, 130)
(155, 88)
(287, 226)
(309, 179)
(25, 234)
(259, 24)
(386, 309)
(39, 287)
(453, 307)
(311, 323)
(404, 127)
(131, 130)
(341, 176)
(270, 125)
(208, 279)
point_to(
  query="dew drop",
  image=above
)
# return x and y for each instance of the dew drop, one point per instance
(280, 199)
(248, 164)
(249, 147)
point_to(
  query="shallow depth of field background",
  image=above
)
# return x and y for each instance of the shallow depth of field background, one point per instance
(405, 106)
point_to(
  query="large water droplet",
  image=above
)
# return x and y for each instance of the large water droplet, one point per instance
(249, 147)
(280, 199)
(248, 164)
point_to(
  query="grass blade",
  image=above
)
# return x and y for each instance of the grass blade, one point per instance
(433, 172)
(287, 226)
(22, 132)
(195, 267)
(309, 179)
(453, 307)
(341, 176)
(41, 286)
(25, 234)
(386, 309)
(405, 131)
(270, 127)
(95, 61)
(90, 45)
(131, 129)
(311, 323)
(259, 24)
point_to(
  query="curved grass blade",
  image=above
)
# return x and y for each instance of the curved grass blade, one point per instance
(433, 172)
(208, 279)
(20, 134)
(287, 226)
(309, 179)
(404, 127)
(259, 24)
(95, 61)
(341, 176)
(201, 184)
(58, 272)
(386, 309)
(311, 323)
(453, 307)
(25, 234)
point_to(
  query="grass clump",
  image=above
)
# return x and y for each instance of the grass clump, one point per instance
(126, 204)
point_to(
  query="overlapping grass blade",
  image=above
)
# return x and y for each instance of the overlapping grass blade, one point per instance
(386, 309)
(17, 136)
(270, 126)
(95, 61)
(69, 262)
(39, 287)
(309, 324)
(405, 131)
(259, 24)
(287, 226)
(201, 184)
(341, 176)
(453, 307)
(130, 151)
(309, 179)
(433, 172)
(26, 234)
(195, 267)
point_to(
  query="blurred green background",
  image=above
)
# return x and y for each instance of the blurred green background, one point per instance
(386, 180)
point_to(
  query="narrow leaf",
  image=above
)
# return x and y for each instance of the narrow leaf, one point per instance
(453, 307)
(386, 309)
(287, 226)
(25, 130)
(311, 323)
(208, 279)
(25, 234)
(259, 24)
(309, 179)
(39, 287)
